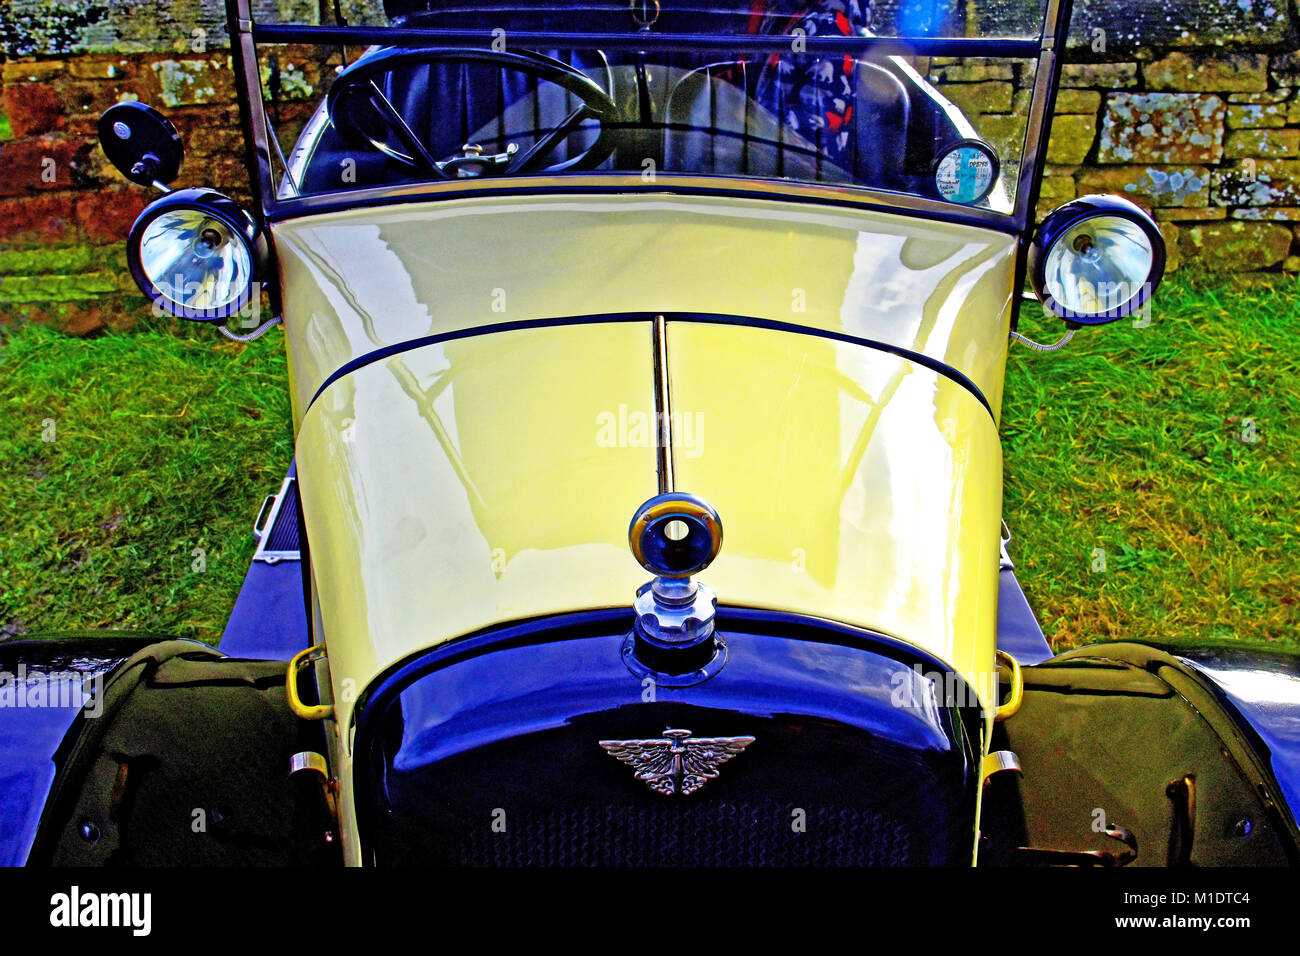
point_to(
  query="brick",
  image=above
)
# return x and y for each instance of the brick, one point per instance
(1272, 96)
(32, 108)
(1071, 138)
(973, 98)
(1262, 143)
(38, 220)
(1256, 115)
(211, 137)
(1181, 214)
(1107, 76)
(92, 97)
(1162, 128)
(86, 69)
(1171, 233)
(1004, 132)
(1172, 186)
(1268, 182)
(977, 72)
(1157, 24)
(1236, 246)
(26, 71)
(192, 82)
(1056, 190)
(1268, 213)
(1077, 101)
(298, 80)
(107, 215)
(1190, 73)
(1284, 69)
(44, 163)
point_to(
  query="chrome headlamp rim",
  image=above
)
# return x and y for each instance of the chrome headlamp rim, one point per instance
(1074, 213)
(225, 211)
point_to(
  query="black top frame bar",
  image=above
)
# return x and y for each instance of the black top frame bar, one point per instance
(647, 42)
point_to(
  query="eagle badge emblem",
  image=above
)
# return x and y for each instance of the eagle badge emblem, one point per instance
(676, 763)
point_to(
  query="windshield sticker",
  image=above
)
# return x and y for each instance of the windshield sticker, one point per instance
(964, 175)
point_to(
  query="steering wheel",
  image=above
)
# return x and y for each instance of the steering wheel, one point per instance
(356, 101)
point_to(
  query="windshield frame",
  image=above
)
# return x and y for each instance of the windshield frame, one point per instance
(1044, 50)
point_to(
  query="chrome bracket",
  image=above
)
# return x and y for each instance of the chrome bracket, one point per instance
(1005, 563)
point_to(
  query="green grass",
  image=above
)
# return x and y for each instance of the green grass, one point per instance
(1138, 442)
(164, 445)
(1131, 440)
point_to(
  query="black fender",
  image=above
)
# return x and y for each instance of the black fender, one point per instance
(44, 686)
(182, 757)
(1194, 752)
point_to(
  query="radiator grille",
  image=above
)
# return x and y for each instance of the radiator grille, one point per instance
(680, 834)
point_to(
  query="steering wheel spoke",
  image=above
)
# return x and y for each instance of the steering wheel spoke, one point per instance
(528, 161)
(420, 154)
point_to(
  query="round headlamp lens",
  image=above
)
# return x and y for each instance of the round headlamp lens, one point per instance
(196, 261)
(1098, 266)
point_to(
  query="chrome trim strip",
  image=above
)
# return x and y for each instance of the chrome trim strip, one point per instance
(663, 405)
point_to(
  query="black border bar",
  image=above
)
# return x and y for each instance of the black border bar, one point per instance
(649, 42)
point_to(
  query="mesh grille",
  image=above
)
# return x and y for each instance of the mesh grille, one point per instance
(680, 834)
(284, 534)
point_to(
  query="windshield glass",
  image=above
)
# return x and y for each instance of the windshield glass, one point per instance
(836, 92)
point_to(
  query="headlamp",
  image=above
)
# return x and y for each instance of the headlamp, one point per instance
(1096, 259)
(196, 254)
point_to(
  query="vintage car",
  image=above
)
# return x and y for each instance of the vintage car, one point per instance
(566, 290)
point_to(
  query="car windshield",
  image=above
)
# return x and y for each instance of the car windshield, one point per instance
(839, 93)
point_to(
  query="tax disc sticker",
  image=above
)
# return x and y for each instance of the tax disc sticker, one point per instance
(965, 174)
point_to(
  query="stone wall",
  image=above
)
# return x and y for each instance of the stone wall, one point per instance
(1190, 109)
(1207, 140)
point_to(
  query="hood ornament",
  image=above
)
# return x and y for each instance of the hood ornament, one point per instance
(676, 763)
(673, 536)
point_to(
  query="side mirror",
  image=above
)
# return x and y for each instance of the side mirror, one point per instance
(142, 143)
(1096, 259)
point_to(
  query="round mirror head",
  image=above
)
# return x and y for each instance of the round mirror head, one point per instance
(1096, 259)
(141, 143)
(195, 254)
(675, 535)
